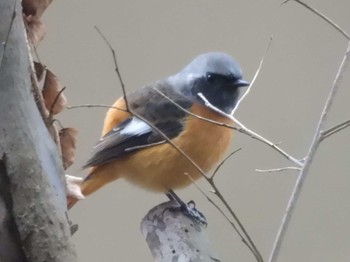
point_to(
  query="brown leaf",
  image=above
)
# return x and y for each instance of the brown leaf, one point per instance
(36, 30)
(39, 70)
(54, 99)
(68, 138)
(35, 7)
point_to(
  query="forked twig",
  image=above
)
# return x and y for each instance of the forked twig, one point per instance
(223, 162)
(241, 128)
(211, 201)
(309, 158)
(249, 132)
(116, 66)
(218, 193)
(318, 137)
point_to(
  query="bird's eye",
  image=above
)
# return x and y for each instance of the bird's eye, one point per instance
(210, 77)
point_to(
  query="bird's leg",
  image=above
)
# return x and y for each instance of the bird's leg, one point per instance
(188, 209)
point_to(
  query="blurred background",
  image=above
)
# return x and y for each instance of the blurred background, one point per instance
(154, 39)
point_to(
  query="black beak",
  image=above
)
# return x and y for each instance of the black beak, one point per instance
(241, 83)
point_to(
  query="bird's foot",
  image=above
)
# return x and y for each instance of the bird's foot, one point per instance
(190, 211)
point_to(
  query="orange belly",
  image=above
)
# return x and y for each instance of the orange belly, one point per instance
(162, 167)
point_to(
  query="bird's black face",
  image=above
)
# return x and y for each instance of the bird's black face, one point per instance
(222, 91)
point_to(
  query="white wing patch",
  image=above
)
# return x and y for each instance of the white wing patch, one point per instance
(135, 127)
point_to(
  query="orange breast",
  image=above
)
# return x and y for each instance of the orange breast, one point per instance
(162, 167)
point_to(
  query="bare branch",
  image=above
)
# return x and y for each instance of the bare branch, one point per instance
(223, 162)
(254, 249)
(278, 169)
(309, 158)
(250, 133)
(322, 16)
(254, 78)
(95, 105)
(242, 129)
(38, 97)
(335, 129)
(194, 115)
(116, 66)
(211, 201)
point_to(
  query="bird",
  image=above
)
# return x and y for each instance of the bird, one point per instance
(131, 148)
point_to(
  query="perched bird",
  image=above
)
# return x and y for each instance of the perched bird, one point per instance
(131, 149)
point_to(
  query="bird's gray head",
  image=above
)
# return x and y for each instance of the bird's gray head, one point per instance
(217, 76)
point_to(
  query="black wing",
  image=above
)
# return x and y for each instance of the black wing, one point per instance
(134, 134)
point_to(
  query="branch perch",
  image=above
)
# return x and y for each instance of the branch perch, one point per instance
(172, 236)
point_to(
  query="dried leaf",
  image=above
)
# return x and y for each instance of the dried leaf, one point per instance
(39, 70)
(36, 30)
(54, 99)
(68, 138)
(35, 7)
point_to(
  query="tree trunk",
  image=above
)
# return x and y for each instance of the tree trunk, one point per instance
(33, 220)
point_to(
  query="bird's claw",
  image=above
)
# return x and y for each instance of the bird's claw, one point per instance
(191, 212)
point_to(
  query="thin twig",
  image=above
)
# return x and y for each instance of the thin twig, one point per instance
(55, 102)
(278, 169)
(31, 38)
(252, 134)
(211, 201)
(38, 97)
(96, 105)
(59, 123)
(308, 160)
(116, 66)
(194, 115)
(223, 162)
(335, 129)
(322, 16)
(254, 78)
(217, 192)
(241, 128)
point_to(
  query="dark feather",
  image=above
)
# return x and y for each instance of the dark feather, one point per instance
(132, 135)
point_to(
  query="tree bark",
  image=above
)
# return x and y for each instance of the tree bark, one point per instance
(32, 199)
(174, 237)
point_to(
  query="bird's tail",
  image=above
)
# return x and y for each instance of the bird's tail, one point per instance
(97, 178)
